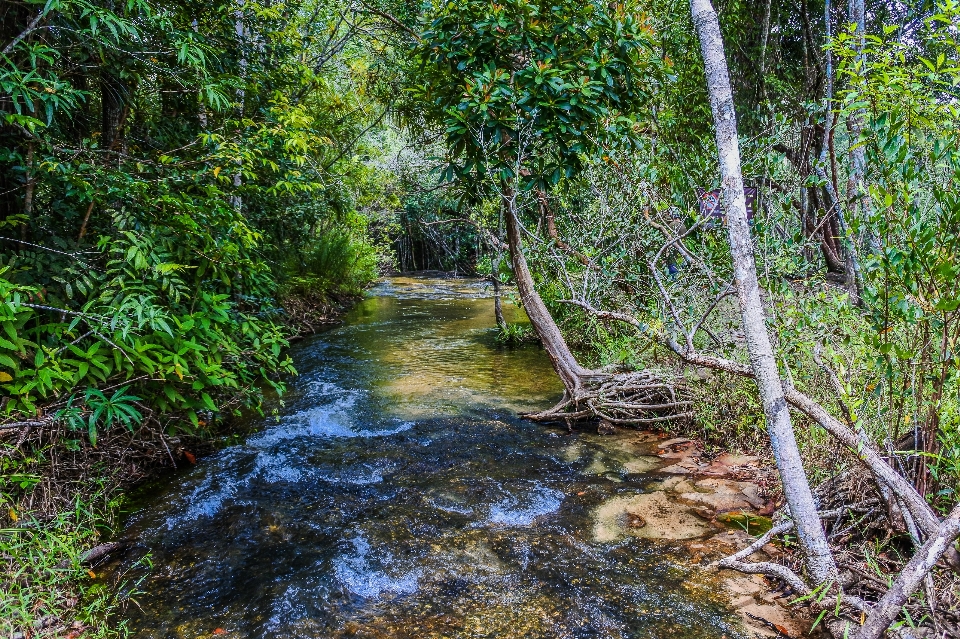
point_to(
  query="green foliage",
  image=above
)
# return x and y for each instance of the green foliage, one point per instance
(514, 334)
(161, 170)
(103, 412)
(340, 261)
(169, 172)
(533, 84)
(945, 463)
(911, 215)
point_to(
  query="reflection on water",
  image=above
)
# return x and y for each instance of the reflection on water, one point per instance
(398, 495)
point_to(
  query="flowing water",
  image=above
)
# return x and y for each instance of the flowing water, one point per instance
(397, 494)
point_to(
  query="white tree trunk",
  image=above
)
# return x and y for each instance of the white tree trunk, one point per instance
(236, 200)
(819, 560)
(858, 198)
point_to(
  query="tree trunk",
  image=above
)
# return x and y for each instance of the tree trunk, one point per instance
(851, 266)
(497, 304)
(236, 200)
(571, 373)
(29, 190)
(858, 198)
(113, 98)
(819, 560)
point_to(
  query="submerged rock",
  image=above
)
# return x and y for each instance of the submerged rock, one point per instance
(606, 427)
(664, 519)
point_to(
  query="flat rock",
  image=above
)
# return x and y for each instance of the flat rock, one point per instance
(718, 485)
(664, 519)
(718, 502)
(774, 613)
(677, 469)
(641, 464)
(672, 442)
(752, 493)
(674, 483)
(751, 597)
(731, 459)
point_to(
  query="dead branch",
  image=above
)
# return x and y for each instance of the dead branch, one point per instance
(889, 606)
(856, 442)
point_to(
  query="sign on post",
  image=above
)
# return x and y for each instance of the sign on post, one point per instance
(712, 209)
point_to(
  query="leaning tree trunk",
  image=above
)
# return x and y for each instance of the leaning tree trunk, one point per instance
(573, 375)
(819, 560)
(633, 398)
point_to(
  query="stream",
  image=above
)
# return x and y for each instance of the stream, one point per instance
(397, 494)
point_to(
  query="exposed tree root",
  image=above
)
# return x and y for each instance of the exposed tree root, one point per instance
(633, 398)
(629, 399)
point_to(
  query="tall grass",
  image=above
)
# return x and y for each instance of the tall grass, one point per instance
(339, 261)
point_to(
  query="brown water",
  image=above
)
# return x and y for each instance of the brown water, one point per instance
(398, 495)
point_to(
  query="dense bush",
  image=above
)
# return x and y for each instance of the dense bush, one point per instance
(167, 173)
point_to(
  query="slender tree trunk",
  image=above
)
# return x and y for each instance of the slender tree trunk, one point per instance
(813, 541)
(497, 304)
(858, 198)
(113, 97)
(236, 199)
(851, 265)
(29, 189)
(571, 373)
(201, 108)
(764, 40)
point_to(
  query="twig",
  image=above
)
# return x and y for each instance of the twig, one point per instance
(31, 27)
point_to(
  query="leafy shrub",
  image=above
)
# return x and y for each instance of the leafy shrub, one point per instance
(337, 261)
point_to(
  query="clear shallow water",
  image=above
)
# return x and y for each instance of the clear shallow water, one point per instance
(397, 495)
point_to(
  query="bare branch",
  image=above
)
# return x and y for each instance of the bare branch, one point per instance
(889, 606)
(31, 27)
(386, 16)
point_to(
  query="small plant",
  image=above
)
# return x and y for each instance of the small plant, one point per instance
(44, 574)
(98, 409)
(514, 334)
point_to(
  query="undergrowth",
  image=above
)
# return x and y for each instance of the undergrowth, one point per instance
(47, 590)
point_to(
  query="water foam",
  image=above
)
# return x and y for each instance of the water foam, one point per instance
(208, 496)
(356, 571)
(522, 510)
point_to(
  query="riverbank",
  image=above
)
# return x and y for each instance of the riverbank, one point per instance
(676, 500)
(62, 496)
(710, 504)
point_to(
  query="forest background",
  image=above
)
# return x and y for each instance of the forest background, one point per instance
(185, 187)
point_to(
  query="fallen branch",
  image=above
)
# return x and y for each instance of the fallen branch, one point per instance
(889, 606)
(737, 561)
(26, 424)
(856, 442)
